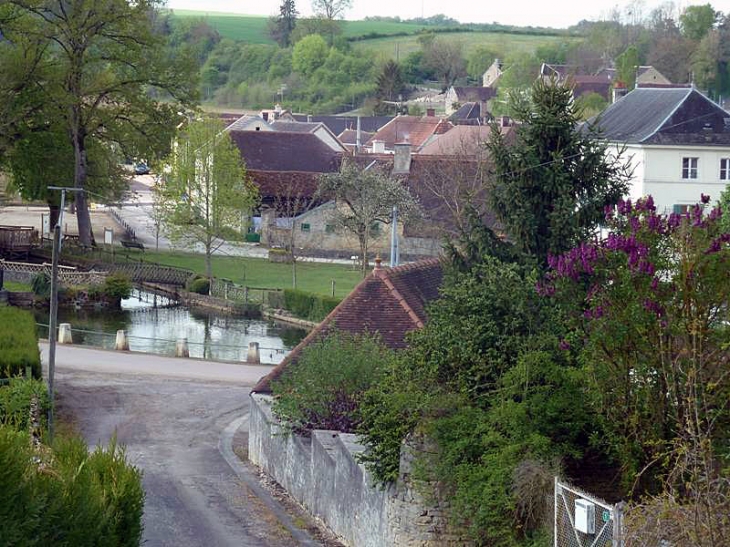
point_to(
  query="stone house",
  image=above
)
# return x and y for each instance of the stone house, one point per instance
(415, 130)
(676, 140)
(456, 96)
(492, 75)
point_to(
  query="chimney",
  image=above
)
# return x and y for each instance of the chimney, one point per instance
(402, 158)
(265, 115)
(378, 147)
(358, 141)
(309, 118)
(619, 90)
(431, 112)
(505, 121)
(378, 261)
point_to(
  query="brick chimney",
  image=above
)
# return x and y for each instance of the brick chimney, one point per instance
(431, 112)
(402, 158)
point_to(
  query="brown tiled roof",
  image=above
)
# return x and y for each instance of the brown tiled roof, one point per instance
(349, 136)
(462, 140)
(389, 301)
(273, 184)
(413, 129)
(280, 151)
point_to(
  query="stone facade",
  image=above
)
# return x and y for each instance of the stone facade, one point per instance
(322, 472)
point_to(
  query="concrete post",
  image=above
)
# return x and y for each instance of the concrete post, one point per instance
(253, 357)
(122, 343)
(64, 334)
(181, 348)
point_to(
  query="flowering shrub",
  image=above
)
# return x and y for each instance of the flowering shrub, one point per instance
(650, 302)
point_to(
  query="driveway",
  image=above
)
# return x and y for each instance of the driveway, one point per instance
(177, 419)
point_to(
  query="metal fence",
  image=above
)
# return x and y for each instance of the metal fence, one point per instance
(228, 290)
(582, 520)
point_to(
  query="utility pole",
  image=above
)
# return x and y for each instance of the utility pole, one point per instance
(394, 251)
(52, 320)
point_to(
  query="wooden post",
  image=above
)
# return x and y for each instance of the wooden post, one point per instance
(333, 288)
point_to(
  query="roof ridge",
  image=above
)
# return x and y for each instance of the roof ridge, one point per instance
(400, 299)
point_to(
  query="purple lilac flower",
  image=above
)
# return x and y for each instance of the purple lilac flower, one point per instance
(704, 198)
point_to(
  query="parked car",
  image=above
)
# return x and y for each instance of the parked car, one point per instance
(141, 169)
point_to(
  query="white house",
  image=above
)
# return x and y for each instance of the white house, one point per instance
(677, 142)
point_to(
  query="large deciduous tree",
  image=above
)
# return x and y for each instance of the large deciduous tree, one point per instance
(551, 183)
(365, 197)
(331, 9)
(696, 21)
(445, 58)
(114, 83)
(207, 193)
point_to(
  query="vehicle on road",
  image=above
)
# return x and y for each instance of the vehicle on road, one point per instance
(141, 169)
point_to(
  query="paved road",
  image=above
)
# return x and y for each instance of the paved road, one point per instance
(172, 415)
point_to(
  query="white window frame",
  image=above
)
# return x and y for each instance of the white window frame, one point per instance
(725, 169)
(690, 167)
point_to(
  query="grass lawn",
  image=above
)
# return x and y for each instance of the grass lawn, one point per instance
(14, 286)
(257, 272)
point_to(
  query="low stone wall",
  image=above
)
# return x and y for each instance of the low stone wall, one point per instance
(322, 473)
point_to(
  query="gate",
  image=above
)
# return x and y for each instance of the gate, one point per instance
(582, 520)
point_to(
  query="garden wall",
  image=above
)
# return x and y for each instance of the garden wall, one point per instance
(322, 473)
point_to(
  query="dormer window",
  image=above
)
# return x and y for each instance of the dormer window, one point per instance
(689, 168)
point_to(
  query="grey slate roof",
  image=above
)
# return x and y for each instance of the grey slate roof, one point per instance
(337, 124)
(665, 116)
(280, 151)
(294, 127)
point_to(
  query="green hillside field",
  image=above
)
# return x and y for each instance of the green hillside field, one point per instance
(403, 39)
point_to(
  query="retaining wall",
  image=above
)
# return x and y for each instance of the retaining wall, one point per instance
(322, 473)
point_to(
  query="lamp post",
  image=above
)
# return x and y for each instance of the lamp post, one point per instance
(53, 314)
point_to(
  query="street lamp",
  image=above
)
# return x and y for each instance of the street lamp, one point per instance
(53, 312)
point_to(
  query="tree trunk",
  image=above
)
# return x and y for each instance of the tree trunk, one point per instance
(54, 211)
(363, 237)
(81, 166)
(209, 265)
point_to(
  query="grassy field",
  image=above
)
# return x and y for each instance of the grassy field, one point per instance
(400, 46)
(252, 28)
(14, 286)
(255, 272)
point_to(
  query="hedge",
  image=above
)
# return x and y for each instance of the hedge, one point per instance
(312, 307)
(18, 343)
(69, 497)
(15, 399)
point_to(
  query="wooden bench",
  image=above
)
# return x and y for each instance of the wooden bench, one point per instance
(132, 244)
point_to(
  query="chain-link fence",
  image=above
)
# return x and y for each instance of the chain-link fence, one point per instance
(582, 520)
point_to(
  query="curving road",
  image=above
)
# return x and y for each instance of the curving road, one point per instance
(177, 419)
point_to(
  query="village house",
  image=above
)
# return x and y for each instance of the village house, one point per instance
(457, 96)
(415, 130)
(676, 140)
(492, 75)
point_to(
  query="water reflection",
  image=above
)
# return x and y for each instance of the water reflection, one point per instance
(155, 330)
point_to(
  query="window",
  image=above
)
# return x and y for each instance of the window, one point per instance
(689, 168)
(680, 209)
(306, 227)
(725, 169)
(329, 228)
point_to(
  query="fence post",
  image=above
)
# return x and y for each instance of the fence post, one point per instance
(253, 357)
(333, 288)
(64, 334)
(181, 348)
(555, 512)
(122, 343)
(245, 295)
(618, 524)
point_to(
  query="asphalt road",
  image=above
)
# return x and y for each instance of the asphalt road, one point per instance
(177, 419)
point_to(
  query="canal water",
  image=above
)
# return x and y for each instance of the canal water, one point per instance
(154, 323)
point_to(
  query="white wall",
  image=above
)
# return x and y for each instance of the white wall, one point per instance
(658, 171)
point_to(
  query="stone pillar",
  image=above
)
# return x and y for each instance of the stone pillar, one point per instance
(181, 348)
(64, 334)
(122, 343)
(253, 357)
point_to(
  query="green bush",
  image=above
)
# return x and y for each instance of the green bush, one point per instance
(69, 498)
(312, 307)
(324, 389)
(200, 285)
(41, 285)
(117, 287)
(18, 343)
(275, 299)
(15, 401)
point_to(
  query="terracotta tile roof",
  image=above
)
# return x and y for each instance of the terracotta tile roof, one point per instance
(281, 151)
(389, 301)
(413, 129)
(461, 140)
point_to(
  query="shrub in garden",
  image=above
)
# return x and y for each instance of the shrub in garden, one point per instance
(117, 287)
(69, 498)
(200, 285)
(323, 389)
(41, 285)
(15, 399)
(18, 343)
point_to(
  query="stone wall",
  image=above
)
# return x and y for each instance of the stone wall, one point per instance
(322, 473)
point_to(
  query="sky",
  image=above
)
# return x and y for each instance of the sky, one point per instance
(555, 13)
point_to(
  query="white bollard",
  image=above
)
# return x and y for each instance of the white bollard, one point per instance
(253, 357)
(121, 344)
(181, 348)
(64, 334)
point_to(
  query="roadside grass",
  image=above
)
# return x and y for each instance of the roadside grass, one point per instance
(312, 277)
